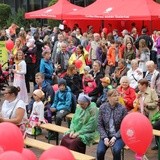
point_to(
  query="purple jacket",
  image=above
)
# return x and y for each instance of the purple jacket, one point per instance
(158, 45)
(119, 112)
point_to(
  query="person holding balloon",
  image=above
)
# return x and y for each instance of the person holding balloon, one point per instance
(78, 58)
(111, 114)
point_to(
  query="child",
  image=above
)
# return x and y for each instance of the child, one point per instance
(61, 105)
(37, 114)
(88, 81)
(105, 83)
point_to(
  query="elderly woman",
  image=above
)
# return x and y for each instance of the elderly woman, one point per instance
(134, 74)
(110, 117)
(13, 109)
(147, 99)
(153, 76)
(126, 92)
(83, 129)
(46, 66)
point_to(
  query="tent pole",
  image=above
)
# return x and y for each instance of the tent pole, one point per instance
(102, 24)
(151, 26)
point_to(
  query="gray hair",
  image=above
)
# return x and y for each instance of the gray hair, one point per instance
(148, 63)
(124, 78)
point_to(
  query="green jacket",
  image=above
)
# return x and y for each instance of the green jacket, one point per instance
(84, 123)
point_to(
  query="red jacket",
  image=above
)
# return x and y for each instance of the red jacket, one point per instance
(128, 95)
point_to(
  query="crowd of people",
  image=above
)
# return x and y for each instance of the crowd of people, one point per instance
(118, 73)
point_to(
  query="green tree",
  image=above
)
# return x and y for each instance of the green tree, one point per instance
(18, 18)
(53, 23)
(5, 11)
(52, 2)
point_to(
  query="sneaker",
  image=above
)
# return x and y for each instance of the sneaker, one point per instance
(154, 147)
(51, 136)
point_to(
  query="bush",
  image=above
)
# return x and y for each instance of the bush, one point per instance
(18, 18)
(5, 11)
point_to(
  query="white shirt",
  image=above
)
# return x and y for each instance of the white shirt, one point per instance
(134, 77)
(8, 107)
(38, 110)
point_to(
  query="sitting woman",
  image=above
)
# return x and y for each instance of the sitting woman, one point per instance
(73, 80)
(83, 129)
(121, 70)
(13, 109)
(147, 99)
(127, 93)
(134, 74)
(110, 117)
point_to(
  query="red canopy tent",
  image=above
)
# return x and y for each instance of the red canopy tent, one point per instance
(118, 10)
(55, 11)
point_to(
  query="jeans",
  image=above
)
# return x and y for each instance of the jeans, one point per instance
(158, 63)
(116, 149)
(157, 127)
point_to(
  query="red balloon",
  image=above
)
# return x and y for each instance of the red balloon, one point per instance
(1, 150)
(78, 63)
(9, 44)
(11, 155)
(28, 154)
(136, 132)
(11, 138)
(57, 152)
(55, 87)
(105, 30)
(64, 22)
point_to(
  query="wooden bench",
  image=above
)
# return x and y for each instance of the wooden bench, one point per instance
(54, 128)
(69, 118)
(45, 146)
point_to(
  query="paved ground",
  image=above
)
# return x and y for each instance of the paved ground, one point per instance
(129, 155)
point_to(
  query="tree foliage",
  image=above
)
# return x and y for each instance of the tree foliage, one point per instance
(5, 11)
(18, 18)
(53, 23)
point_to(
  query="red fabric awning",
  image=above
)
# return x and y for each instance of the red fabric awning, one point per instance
(118, 10)
(55, 11)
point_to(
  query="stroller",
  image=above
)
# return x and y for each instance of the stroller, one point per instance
(4, 76)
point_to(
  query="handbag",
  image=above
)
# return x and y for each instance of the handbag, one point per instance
(13, 109)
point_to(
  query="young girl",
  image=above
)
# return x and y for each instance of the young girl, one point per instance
(19, 76)
(37, 114)
(89, 83)
(129, 54)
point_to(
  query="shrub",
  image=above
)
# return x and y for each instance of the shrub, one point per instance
(5, 11)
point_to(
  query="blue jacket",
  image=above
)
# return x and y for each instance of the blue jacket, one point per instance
(63, 100)
(47, 68)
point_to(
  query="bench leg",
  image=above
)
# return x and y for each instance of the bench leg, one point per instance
(122, 154)
(57, 138)
(35, 130)
(158, 148)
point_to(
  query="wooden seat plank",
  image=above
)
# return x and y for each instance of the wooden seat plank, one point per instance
(45, 146)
